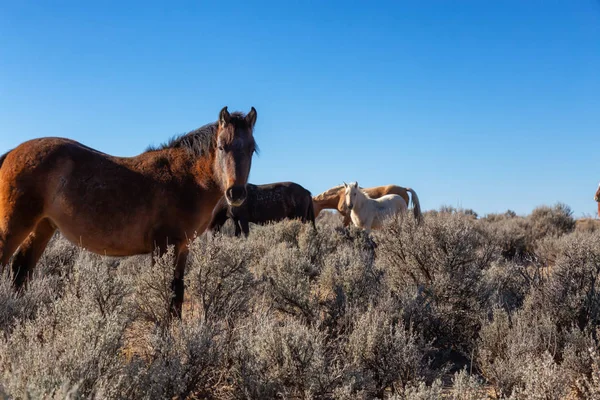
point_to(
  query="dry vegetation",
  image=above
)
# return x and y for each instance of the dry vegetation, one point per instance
(458, 307)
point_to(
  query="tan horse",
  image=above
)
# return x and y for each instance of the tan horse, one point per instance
(334, 198)
(597, 199)
(121, 206)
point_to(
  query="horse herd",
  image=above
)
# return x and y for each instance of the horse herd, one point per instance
(123, 206)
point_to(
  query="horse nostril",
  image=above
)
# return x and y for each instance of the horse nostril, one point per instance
(236, 193)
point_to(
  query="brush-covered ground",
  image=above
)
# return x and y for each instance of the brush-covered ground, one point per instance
(458, 307)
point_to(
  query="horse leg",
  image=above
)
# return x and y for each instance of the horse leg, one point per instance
(12, 234)
(245, 226)
(178, 283)
(347, 219)
(31, 250)
(238, 229)
(368, 224)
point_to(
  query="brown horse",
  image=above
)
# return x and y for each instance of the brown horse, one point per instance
(264, 204)
(121, 206)
(597, 199)
(334, 199)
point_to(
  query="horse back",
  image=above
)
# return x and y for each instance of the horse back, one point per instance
(379, 191)
(115, 202)
(395, 199)
(277, 201)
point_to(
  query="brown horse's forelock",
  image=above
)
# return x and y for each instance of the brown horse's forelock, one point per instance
(202, 140)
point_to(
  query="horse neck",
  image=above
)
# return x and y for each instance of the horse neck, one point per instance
(204, 173)
(598, 209)
(361, 200)
(329, 202)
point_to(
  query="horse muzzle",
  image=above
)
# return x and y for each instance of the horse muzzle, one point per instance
(236, 195)
(350, 206)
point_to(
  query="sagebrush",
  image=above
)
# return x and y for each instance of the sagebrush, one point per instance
(454, 306)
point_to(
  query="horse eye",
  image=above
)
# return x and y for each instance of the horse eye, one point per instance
(221, 147)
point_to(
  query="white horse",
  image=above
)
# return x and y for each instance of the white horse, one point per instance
(368, 213)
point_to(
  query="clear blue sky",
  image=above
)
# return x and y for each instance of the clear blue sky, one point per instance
(480, 104)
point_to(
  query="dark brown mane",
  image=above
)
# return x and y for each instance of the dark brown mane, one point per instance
(202, 140)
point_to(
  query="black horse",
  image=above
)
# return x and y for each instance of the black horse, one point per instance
(264, 204)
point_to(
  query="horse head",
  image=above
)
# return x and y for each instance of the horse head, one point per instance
(235, 146)
(350, 194)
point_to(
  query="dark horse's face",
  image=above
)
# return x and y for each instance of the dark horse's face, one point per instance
(597, 196)
(235, 146)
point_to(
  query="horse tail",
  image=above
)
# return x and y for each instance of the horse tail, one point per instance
(416, 204)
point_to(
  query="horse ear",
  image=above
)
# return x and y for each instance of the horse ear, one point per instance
(345, 185)
(355, 184)
(251, 117)
(224, 116)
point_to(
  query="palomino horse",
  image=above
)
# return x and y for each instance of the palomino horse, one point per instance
(121, 206)
(335, 198)
(368, 213)
(266, 203)
(597, 199)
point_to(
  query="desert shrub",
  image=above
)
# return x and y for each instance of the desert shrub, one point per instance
(269, 235)
(587, 225)
(579, 351)
(466, 387)
(287, 274)
(437, 267)
(508, 343)
(330, 218)
(291, 312)
(182, 361)
(589, 385)
(420, 391)
(386, 354)
(542, 378)
(350, 281)
(519, 237)
(496, 217)
(447, 209)
(506, 285)
(551, 221)
(282, 358)
(570, 294)
(511, 234)
(63, 346)
(153, 291)
(219, 276)
(47, 283)
(60, 256)
(14, 307)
